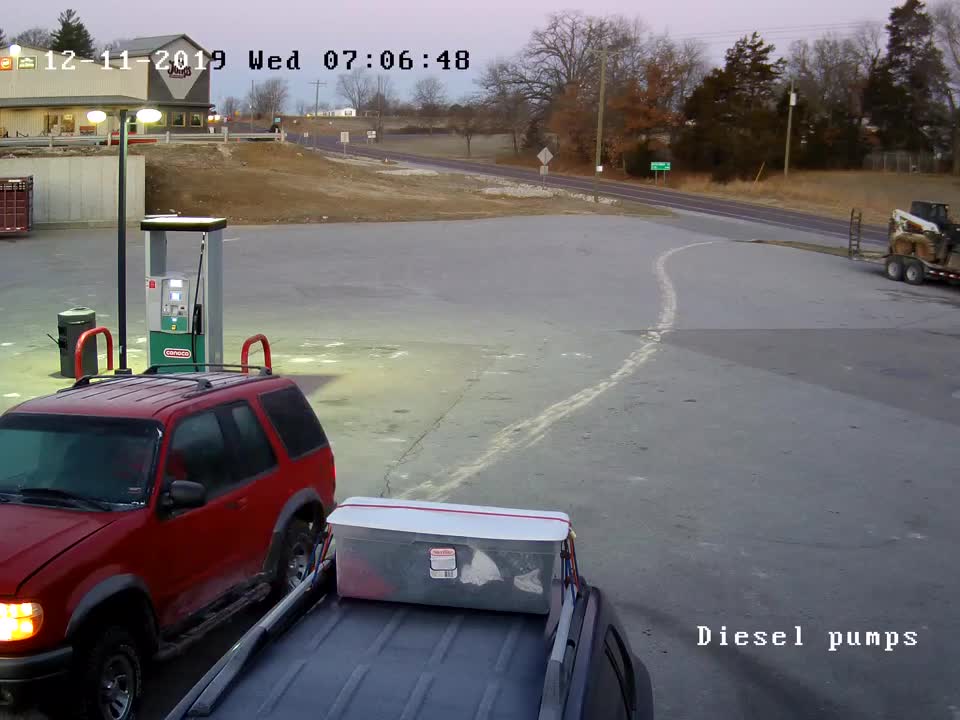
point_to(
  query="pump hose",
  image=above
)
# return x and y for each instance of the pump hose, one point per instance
(195, 313)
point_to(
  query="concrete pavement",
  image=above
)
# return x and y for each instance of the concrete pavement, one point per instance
(746, 436)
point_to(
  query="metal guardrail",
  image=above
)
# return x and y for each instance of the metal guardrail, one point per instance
(167, 138)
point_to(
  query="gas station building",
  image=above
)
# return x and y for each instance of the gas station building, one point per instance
(44, 92)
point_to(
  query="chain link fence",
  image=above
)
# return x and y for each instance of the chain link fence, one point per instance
(905, 162)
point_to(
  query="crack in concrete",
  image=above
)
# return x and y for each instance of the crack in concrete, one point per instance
(416, 445)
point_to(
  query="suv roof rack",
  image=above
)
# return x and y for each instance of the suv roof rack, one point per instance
(228, 367)
(202, 383)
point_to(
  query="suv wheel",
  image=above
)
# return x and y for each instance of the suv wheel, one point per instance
(295, 556)
(110, 677)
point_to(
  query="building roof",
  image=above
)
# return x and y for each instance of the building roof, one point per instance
(71, 101)
(143, 46)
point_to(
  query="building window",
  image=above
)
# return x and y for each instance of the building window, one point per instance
(51, 124)
(162, 122)
(67, 123)
(179, 119)
(196, 120)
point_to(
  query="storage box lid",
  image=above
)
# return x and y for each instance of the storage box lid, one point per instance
(430, 518)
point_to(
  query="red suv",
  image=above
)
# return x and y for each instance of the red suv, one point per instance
(137, 512)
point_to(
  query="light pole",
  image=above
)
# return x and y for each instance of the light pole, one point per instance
(145, 115)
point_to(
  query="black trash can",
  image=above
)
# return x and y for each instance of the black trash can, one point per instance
(71, 324)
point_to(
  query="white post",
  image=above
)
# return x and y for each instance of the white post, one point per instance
(226, 133)
(166, 138)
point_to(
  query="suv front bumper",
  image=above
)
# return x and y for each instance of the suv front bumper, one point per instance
(21, 674)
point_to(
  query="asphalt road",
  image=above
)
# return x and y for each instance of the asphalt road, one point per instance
(662, 197)
(746, 436)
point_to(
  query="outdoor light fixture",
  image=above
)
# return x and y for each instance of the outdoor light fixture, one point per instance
(148, 115)
(96, 116)
(15, 50)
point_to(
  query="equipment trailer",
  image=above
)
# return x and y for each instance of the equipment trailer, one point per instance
(923, 244)
(321, 654)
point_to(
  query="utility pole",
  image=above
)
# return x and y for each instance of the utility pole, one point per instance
(786, 157)
(603, 84)
(253, 93)
(316, 102)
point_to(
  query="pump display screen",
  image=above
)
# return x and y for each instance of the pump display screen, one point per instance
(176, 296)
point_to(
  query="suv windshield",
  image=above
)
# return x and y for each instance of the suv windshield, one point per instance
(72, 460)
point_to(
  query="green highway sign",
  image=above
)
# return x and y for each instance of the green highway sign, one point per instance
(659, 166)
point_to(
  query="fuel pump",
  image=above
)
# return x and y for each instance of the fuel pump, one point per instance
(184, 313)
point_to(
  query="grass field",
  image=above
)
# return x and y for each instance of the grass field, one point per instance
(264, 183)
(831, 193)
(482, 147)
(835, 192)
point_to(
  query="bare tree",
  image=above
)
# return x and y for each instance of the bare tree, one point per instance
(828, 73)
(269, 97)
(869, 42)
(946, 22)
(506, 104)
(36, 37)
(355, 87)
(230, 106)
(564, 53)
(302, 106)
(113, 45)
(466, 119)
(429, 97)
(381, 100)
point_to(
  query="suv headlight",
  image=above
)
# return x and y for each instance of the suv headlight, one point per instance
(19, 621)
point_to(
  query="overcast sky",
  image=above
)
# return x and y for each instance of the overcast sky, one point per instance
(487, 29)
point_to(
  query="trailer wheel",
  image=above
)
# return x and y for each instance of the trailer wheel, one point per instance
(913, 273)
(894, 268)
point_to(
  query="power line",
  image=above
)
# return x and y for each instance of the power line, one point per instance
(812, 28)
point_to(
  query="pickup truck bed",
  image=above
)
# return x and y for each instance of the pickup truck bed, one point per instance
(319, 656)
(358, 659)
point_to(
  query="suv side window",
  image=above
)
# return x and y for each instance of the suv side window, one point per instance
(198, 453)
(294, 420)
(254, 455)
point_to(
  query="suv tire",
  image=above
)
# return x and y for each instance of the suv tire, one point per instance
(296, 555)
(109, 675)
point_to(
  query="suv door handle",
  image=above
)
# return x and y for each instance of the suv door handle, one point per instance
(237, 504)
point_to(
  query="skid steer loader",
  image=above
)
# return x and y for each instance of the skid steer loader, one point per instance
(923, 243)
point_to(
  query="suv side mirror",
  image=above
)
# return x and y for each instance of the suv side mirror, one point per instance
(184, 494)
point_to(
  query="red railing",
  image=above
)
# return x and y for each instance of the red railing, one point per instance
(78, 353)
(245, 350)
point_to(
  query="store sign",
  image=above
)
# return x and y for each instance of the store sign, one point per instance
(27, 63)
(6, 63)
(179, 72)
(179, 68)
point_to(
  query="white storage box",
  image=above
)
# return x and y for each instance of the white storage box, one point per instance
(443, 554)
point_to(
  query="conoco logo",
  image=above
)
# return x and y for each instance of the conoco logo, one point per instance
(176, 353)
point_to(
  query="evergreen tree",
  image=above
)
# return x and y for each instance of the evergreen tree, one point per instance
(733, 125)
(904, 93)
(72, 35)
